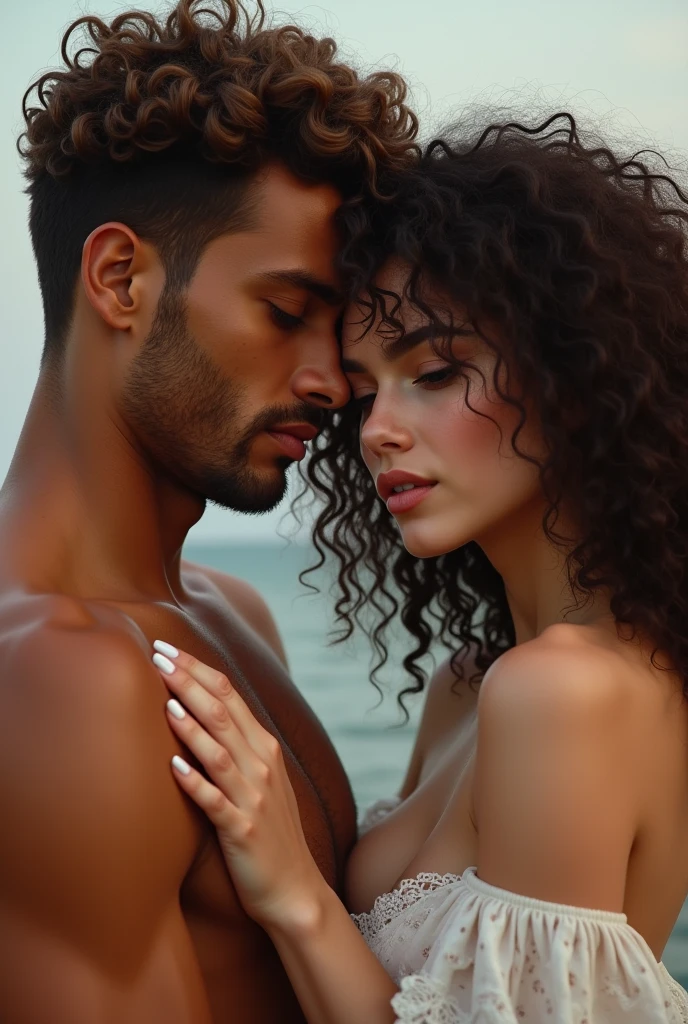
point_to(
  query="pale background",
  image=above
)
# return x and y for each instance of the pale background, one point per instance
(624, 60)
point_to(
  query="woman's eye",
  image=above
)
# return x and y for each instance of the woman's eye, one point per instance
(286, 321)
(436, 378)
(364, 401)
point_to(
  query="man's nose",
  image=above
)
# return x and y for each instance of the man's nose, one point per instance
(323, 386)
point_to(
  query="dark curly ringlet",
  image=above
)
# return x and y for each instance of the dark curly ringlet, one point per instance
(579, 257)
(160, 124)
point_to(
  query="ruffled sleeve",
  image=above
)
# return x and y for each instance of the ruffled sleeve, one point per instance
(466, 952)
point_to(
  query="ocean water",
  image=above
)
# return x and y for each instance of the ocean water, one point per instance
(369, 739)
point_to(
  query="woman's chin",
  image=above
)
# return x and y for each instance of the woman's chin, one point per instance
(421, 541)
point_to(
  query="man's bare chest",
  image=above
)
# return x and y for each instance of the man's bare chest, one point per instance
(211, 630)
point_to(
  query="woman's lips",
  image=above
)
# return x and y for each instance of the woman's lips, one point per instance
(404, 501)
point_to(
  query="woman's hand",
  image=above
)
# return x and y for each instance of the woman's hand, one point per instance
(252, 803)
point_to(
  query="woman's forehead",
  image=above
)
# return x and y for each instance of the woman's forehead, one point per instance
(391, 314)
(361, 324)
(367, 320)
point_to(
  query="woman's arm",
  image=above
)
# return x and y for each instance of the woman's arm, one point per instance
(557, 783)
(337, 979)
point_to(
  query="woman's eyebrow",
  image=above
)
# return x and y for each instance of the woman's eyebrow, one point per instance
(397, 348)
(400, 346)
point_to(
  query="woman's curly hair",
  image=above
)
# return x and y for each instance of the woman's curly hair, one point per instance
(579, 257)
(148, 117)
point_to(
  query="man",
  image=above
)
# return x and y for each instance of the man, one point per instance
(184, 178)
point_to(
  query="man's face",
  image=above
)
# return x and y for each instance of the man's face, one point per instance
(241, 364)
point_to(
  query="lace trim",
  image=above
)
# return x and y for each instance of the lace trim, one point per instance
(422, 1000)
(678, 997)
(391, 904)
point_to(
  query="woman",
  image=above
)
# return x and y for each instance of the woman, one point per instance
(517, 350)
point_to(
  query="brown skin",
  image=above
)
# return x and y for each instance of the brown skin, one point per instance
(115, 903)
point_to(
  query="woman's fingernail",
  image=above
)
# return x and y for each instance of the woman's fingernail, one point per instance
(164, 664)
(180, 764)
(168, 649)
(175, 708)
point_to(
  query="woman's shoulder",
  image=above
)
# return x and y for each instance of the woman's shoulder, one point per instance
(572, 671)
(566, 669)
(558, 777)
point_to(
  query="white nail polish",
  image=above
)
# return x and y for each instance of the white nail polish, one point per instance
(175, 708)
(164, 664)
(164, 648)
(181, 765)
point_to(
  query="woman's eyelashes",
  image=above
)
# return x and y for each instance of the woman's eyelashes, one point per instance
(364, 401)
(285, 321)
(433, 380)
(436, 379)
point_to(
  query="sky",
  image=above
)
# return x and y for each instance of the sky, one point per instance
(625, 64)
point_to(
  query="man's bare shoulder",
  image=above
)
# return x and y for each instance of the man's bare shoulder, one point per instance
(97, 838)
(54, 641)
(83, 729)
(247, 602)
(77, 684)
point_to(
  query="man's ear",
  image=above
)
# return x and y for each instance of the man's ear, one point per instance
(113, 262)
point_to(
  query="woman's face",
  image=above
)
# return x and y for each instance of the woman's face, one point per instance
(436, 433)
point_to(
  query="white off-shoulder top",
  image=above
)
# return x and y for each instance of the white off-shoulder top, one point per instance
(466, 952)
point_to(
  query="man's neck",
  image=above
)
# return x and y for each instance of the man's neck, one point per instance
(83, 512)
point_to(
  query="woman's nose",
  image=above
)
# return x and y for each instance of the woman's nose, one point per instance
(383, 432)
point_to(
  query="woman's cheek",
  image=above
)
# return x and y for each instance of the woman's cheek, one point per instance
(465, 434)
(369, 457)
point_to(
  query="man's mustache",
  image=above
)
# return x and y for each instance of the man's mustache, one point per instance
(272, 419)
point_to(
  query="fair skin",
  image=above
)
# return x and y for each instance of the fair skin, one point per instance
(567, 774)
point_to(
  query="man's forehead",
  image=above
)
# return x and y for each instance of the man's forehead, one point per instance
(283, 199)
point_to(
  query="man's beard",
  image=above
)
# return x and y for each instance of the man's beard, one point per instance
(187, 418)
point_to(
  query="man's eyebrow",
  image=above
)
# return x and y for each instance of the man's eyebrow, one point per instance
(302, 279)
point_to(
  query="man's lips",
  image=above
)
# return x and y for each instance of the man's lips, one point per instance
(291, 437)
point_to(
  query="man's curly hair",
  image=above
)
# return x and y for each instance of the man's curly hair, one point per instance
(161, 124)
(579, 258)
